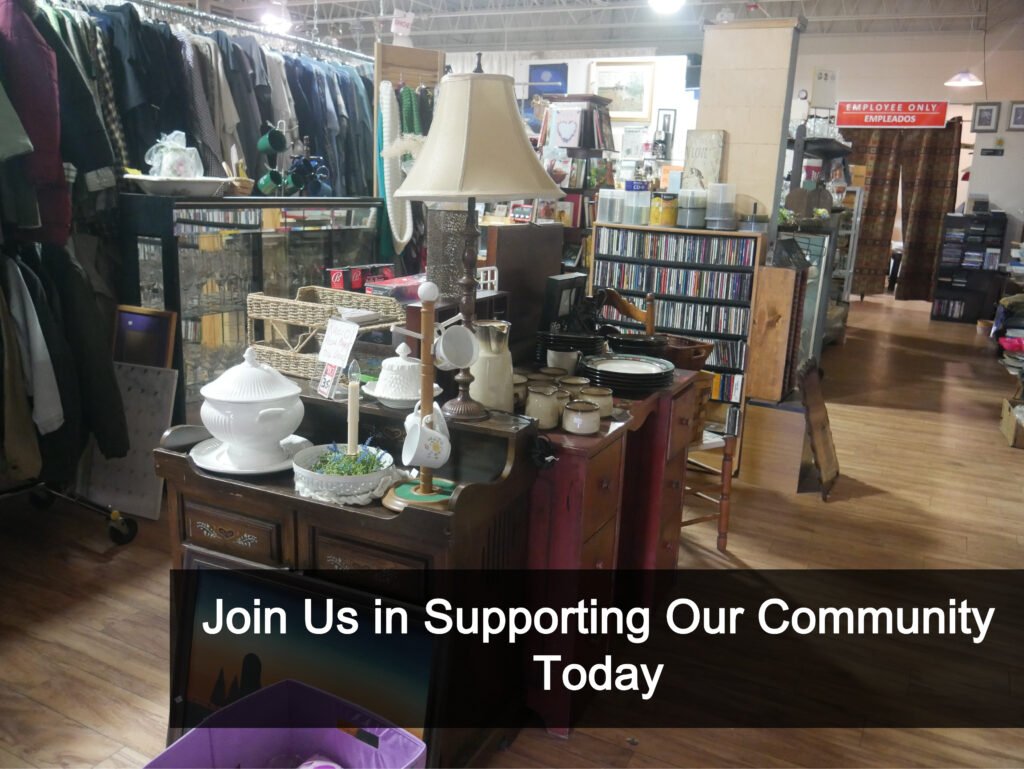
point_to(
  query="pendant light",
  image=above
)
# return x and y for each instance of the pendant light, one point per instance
(666, 7)
(965, 78)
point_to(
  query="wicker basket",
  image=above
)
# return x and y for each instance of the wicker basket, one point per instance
(294, 328)
(687, 353)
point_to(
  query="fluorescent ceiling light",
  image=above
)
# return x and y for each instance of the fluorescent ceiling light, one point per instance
(666, 7)
(964, 79)
(275, 22)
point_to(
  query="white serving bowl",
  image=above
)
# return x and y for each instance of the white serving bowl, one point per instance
(251, 408)
(307, 481)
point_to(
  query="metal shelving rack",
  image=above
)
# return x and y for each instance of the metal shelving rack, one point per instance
(846, 256)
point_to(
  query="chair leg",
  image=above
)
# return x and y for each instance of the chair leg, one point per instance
(723, 502)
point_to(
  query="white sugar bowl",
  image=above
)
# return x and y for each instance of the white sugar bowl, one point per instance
(399, 377)
(251, 408)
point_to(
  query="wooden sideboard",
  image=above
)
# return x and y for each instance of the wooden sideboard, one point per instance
(260, 521)
(655, 475)
(574, 524)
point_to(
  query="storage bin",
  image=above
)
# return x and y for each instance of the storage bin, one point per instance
(693, 206)
(664, 208)
(637, 203)
(721, 213)
(287, 723)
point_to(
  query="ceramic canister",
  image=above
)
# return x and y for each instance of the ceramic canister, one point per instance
(562, 397)
(542, 406)
(553, 371)
(519, 384)
(572, 383)
(602, 396)
(581, 418)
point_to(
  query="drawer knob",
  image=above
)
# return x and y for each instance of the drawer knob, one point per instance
(684, 421)
(605, 484)
(675, 484)
(599, 564)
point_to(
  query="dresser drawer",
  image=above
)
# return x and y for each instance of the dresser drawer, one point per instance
(682, 422)
(599, 551)
(363, 565)
(603, 490)
(246, 536)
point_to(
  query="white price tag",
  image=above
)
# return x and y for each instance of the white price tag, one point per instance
(328, 380)
(338, 342)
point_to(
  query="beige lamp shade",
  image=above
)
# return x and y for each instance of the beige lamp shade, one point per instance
(477, 147)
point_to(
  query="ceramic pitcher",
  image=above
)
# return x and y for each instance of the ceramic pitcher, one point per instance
(492, 372)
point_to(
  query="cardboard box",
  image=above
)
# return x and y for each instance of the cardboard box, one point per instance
(1011, 429)
(404, 289)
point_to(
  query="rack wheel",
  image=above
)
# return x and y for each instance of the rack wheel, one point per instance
(41, 498)
(121, 530)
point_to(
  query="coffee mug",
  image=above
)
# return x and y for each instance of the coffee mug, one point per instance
(270, 183)
(273, 142)
(295, 181)
(427, 443)
(457, 347)
(565, 360)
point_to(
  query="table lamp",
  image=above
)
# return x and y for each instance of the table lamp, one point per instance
(477, 150)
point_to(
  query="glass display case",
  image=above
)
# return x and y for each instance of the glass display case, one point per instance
(818, 244)
(202, 259)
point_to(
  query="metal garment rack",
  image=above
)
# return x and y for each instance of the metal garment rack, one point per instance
(255, 29)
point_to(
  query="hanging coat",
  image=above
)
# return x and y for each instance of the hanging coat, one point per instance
(29, 69)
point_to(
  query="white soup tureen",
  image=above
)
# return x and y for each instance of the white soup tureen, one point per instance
(251, 408)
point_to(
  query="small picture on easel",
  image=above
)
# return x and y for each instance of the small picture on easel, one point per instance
(818, 428)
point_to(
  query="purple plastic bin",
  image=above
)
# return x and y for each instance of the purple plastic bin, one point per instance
(289, 709)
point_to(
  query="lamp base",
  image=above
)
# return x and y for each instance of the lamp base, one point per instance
(464, 409)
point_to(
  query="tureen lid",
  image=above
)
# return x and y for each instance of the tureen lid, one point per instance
(403, 361)
(250, 382)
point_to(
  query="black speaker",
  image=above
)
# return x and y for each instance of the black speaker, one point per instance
(693, 62)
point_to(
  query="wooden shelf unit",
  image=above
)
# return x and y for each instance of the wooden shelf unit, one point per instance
(722, 313)
(965, 290)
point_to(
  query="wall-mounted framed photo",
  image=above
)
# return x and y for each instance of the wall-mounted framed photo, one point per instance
(628, 84)
(986, 117)
(1016, 122)
(144, 336)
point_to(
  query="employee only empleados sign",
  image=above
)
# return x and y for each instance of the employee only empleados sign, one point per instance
(891, 114)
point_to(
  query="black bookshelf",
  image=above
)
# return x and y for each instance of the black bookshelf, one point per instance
(968, 281)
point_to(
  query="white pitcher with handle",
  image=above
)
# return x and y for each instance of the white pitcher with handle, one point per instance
(492, 371)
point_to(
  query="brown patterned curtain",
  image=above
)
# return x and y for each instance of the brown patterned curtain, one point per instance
(928, 160)
(875, 148)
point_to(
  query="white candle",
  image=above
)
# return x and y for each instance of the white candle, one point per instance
(353, 408)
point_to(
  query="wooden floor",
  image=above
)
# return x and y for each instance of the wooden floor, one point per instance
(927, 481)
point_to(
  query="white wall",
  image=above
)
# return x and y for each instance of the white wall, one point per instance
(669, 82)
(915, 67)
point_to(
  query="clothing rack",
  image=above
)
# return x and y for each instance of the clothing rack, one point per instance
(248, 27)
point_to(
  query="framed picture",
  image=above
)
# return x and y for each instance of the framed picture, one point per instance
(628, 84)
(548, 78)
(1016, 116)
(144, 336)
(986, 117)
(633, 138)
(666, 124)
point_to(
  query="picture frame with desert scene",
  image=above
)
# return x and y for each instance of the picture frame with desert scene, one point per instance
(985, 118)
(1016, 121)
(628, 84)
